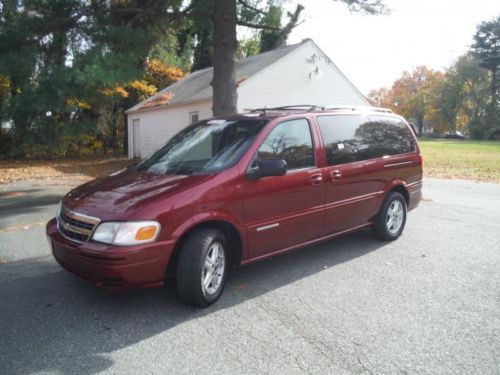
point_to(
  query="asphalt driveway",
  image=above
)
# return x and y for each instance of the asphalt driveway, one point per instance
(427, 303)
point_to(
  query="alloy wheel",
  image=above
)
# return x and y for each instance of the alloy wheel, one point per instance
(394, 217)
(213, 270)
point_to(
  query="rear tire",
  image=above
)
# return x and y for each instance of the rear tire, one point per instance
(391, 219)
(202, 267)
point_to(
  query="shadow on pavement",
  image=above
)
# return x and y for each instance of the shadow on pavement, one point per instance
(27, 201)
(50, 321)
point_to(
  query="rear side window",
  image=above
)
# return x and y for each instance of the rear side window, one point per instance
(291, 141)
(355, 138)
(396, 138)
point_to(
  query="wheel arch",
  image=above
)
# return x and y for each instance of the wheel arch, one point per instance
(234, 236)
(401, 188)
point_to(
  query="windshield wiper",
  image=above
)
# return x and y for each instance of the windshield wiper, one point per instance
(180, 171)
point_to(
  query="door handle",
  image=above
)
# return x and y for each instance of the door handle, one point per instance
(316, 179)
(336, 174)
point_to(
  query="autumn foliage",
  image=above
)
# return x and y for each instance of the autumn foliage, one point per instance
(463, 97)
(453, 100)
(161, 75)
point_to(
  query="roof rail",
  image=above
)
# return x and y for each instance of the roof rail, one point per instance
(383, 110)
(314, 108)
(286, 108)
(358, 108)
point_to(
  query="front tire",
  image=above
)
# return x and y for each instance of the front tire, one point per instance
(202, 267)
(391, 219)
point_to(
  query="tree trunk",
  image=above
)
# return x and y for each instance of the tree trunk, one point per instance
(493, 87)
(420, 123)
(225, 95)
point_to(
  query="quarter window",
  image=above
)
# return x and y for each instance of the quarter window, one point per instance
(396, 138)
(291, 141)
(355, 138)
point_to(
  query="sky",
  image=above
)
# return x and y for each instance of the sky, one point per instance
(373, 51)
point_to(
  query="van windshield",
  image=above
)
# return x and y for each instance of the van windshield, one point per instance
(205, 147)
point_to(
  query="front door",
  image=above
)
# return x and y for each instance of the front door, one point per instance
(283, 211)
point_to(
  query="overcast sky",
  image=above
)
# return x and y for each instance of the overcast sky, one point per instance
(373, 51)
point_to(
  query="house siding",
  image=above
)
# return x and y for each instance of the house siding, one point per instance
(157, 126)
(287, 82)
(284, 82)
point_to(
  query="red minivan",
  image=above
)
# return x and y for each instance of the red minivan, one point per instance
(236, 189)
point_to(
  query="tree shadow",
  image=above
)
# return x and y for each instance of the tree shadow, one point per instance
(24, 201)
(50, 321)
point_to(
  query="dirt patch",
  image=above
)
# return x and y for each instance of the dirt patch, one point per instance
(82, 170)
(19, 227)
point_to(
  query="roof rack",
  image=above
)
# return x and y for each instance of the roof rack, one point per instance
(286, 108)
(383, 110)
(314, 108)
(360, 108)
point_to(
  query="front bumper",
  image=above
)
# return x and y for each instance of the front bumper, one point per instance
(112, 267)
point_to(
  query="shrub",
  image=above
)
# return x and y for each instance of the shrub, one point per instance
(5, 144)
(84, 146)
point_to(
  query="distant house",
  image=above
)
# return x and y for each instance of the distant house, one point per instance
(295, 74)
(6, 126)
(428, 128)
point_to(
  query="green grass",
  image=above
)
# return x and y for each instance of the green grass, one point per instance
(476, 160)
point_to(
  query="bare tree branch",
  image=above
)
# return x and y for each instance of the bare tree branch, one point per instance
(256, 26)
(366, 6)
(256, 10)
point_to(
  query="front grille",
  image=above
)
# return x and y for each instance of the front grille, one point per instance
(74, 226)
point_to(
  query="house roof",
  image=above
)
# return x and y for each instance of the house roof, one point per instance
(196, 86)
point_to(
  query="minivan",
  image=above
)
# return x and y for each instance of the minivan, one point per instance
(233, 190)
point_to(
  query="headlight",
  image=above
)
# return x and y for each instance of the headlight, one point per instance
(127, 233)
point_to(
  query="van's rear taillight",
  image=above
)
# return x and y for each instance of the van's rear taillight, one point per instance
(421, 160)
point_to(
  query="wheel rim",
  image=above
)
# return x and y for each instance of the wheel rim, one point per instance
(213, 269)
(394, 217)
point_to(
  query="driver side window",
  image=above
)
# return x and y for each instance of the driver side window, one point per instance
(291, 141)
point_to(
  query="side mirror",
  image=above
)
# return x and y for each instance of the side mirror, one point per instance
(266, 167)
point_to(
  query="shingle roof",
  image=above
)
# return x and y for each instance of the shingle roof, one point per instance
(196, 86)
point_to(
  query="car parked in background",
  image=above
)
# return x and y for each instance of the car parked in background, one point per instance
(454, 135)
(236, 189)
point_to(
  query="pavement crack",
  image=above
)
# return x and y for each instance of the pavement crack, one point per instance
(363, 366)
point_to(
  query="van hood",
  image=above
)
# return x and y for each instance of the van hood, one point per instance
(117, 196)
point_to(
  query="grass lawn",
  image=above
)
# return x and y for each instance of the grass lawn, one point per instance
(449, 158)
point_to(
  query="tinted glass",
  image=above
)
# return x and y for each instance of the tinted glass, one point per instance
(389, 135)
(290, 140)
(205, 147)
(354, 138)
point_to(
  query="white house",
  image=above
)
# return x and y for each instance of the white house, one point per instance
(295, 74)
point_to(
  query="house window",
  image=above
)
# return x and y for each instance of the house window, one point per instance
(194, 117)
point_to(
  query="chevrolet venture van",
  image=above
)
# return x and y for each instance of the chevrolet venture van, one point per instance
(237, 189)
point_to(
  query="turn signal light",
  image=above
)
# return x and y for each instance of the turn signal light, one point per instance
(146, 233)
